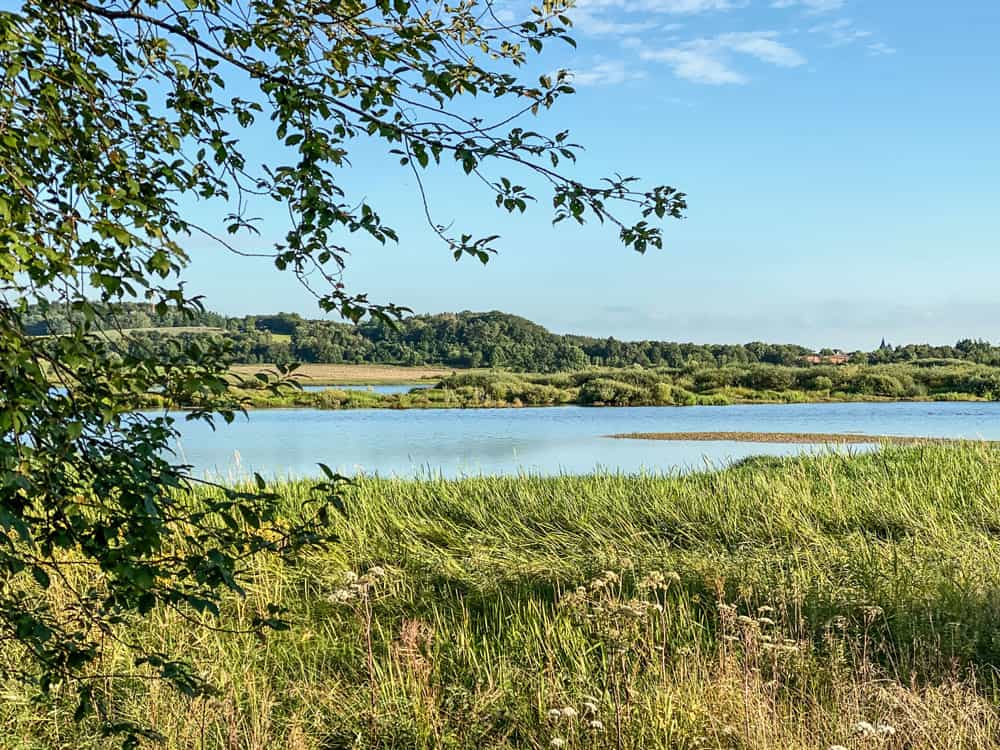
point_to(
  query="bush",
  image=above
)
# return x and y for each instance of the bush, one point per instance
(769, 378)
(819, 383)
(608, 391)
(878, 384)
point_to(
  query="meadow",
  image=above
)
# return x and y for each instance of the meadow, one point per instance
(827, 601)
(324, 374)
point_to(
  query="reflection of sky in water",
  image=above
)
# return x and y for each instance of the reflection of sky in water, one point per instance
(389, 389)
(282, 442)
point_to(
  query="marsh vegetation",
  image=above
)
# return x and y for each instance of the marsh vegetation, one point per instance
(782, 603)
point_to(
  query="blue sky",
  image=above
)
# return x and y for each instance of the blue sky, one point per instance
(841, 159)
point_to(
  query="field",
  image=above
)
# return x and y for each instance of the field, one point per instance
(819, 602)
(313, 374)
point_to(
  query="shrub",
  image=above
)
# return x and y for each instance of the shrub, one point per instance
(608, 391)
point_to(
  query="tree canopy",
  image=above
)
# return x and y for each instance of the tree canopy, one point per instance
(116, 118)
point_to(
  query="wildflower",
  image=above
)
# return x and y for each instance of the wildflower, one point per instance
(765, 610)
(376, 571)
(864, 728)
(596, 724)
(837, 747)
(652, 580)
(569, 712)
(589, 707)
(885, 730)
(765, 621)
(748, 621)
(343, 595)
(557, 742)
(554, 714)
(350, 577)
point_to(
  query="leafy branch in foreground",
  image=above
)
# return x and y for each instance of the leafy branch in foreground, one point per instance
(115, 119)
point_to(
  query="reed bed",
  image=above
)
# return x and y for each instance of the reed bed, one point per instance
(825, 601)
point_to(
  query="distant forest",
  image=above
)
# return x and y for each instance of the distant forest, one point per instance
(465, 339)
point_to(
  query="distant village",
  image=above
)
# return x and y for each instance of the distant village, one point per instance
(836, 358)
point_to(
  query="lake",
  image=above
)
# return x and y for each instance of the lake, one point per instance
(456, 442)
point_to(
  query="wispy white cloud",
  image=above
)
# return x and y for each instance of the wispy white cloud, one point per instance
(880, 48)
(685, 7)
(605, 25)
(607, 73)
(627, 17)
(841, 32)
(812, 6)
(696, 65)
(710, 61)
(670, 7)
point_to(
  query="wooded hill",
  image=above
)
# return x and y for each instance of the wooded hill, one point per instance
(466, 339)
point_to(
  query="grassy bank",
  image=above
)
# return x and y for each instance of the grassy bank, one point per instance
(760, 384)
(783, 603)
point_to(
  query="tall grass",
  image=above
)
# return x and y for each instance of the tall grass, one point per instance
(826, 600)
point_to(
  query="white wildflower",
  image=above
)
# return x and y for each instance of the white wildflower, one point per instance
(837, 747)
(557, 742)
(885, 730)
(554, 714)
(864, 728)
(589, 707)
(596, 724)
(569, 712)
(765, 621)
(376, 571)
(343, 595)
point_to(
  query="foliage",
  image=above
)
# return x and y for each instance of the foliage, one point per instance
(638, 387)
(776, 604)
(480, 339)
(117, 118)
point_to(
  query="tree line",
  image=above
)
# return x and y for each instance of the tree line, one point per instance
(462, 340)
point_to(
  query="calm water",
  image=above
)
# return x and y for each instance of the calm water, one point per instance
(394, 388)
(454, 442)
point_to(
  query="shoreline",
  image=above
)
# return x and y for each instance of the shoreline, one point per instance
(794, 438)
